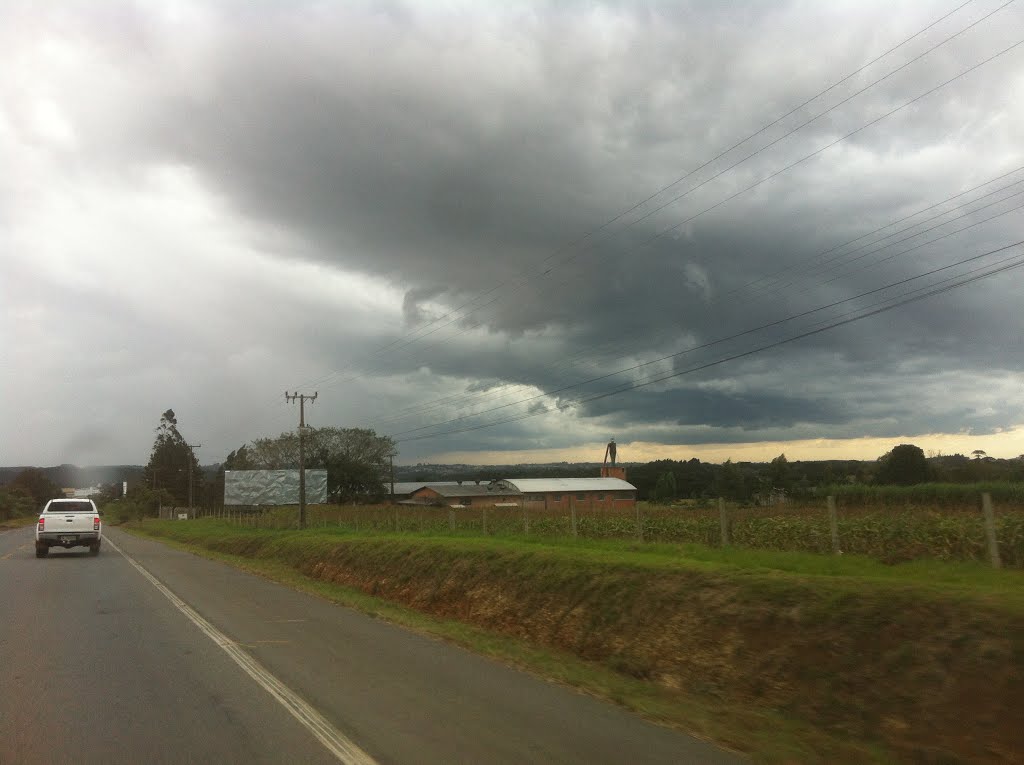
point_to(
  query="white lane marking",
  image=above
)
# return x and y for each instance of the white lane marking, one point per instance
(334, 740)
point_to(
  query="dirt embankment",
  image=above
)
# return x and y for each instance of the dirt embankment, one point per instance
(931, 676)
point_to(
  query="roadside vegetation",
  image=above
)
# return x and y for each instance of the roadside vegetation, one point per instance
(23, 498)
(793, 657)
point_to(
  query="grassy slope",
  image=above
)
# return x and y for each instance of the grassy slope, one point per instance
(793, 657)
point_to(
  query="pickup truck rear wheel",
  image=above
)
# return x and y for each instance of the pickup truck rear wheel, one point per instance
(42, 550)
(94, 548)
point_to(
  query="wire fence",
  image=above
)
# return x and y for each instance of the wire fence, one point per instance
(974, 532)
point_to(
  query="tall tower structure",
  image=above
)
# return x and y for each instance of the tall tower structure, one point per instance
(611, 471)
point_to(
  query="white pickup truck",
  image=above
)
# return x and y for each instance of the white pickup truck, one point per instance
(69, 523)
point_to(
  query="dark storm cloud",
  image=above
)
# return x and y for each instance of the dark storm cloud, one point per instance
(467, 158)
(747, 411)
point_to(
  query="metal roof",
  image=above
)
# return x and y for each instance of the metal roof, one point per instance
(408, 487)
(466, 490)
(541, 485)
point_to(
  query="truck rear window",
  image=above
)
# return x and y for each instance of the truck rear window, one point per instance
(71, 507)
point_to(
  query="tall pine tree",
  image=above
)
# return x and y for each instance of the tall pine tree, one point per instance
(168, 466)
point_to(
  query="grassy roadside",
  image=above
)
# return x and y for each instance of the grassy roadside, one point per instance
(645, 626)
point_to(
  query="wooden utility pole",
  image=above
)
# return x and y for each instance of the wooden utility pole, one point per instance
(301, 398)
(191, 454)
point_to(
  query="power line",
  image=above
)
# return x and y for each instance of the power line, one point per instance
(804, 261)
(680, 353)
(827, 146)
(419, 409)
(769, 177)
(715, 342)
(662, 234)
(688, 350)
(1018, 262)
(932, 241)
(527, 277)
(775, 288)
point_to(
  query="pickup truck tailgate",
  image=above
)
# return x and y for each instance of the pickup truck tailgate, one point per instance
(69, 523)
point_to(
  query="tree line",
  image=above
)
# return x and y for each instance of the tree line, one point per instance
(904, 465)
(357, 462)
(666, 480)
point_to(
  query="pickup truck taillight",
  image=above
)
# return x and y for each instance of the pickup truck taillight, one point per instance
(42, 522)
(96, 523)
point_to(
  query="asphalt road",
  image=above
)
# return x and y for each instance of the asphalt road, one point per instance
(99, 665)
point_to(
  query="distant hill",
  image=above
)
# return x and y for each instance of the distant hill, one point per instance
(432, 472)
(73, 476)
(693, 477)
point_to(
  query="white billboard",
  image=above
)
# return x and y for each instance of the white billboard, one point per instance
(273, 487)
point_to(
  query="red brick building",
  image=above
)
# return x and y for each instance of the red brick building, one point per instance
(463, 495)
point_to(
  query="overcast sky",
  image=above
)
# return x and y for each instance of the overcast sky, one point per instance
(443, 216)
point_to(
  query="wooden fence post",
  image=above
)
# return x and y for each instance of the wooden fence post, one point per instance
(396, 519)
(451, 520)
(484, 510)
(724, 520)
(833, 525)
(526, 520)
(990, 530)
(575, 531)
(639, 524)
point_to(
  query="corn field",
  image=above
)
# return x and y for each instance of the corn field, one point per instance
(883, 531)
